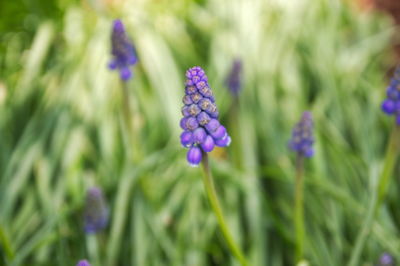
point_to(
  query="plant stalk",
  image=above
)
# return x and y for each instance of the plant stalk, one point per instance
(299, 208)
(378, 196)
(131, 132)
(212, 196)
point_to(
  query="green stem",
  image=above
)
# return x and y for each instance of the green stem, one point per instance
(212, 196)
(134, 147)
(235, 134)
(93, 249)
(378, 195)
(299, 208)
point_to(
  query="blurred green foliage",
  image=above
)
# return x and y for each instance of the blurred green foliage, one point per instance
(62, 131)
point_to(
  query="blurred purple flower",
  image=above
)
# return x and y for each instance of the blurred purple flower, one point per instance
(391, 105)
(123, 51)
(202, 129)
(302, 136)
(234, 81)
(96, 211)
(386, 260)
(83, 263)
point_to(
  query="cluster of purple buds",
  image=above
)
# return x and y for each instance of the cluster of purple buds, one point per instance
(302, 136)
(391, 105)
(123, 51)
(234, 81)
(386, 260)
(202, 130)
(96, 211)
(83, 263)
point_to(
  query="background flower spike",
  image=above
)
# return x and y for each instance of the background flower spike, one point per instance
(123, 51)
(96, 211)
(83, 263)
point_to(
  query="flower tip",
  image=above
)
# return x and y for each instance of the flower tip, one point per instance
(307, 115)
(112, 65)
(309, 153)
(386, 260)
(83, 263)
(118, 25)
(125, 74)
(194, 156)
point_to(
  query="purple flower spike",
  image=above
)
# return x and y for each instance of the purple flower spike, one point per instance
(96, 211)
(302, 136)
(234, 81)
(202, 130)
(83, 263)
(386, 260)
(123, 51)
(392, 102)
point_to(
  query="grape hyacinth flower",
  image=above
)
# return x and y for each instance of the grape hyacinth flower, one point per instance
(123, 51)
(234, 81)
(386, 260)
(302, 136)
(301, 142)
(391, 105)
(202, 130)
(96, 211)
(83, 263)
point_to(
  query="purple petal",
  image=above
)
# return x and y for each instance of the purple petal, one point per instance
(194, 156)
(388, 106)
(199, 135)
(125, 73)
(208, 144)
(186, 139)
(212, 125)
(112, 65)
(191, 123)
(183, 123)
(203, 118)
(219, 133)
(224, 142)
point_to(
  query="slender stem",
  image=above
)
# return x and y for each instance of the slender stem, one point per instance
(299, 208)
(378, 196)
(93, 248)
(236, 147)
(134, 147)
(212, 196)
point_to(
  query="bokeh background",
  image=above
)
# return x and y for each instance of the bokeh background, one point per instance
(62, 130)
